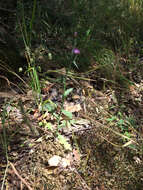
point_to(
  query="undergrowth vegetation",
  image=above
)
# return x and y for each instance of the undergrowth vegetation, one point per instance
(78, 59)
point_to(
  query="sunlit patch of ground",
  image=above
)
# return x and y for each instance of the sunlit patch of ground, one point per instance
(98, 159)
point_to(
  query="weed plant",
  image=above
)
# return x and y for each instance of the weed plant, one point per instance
(113, 25)
(76, 35)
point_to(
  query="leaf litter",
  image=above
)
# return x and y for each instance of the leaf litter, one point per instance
(87, 156)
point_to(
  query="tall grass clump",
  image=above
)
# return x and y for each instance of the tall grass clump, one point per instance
(26, 25)
(108, 29)
(112, 25)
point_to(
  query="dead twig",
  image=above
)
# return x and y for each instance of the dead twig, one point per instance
(85, 186)
(5, 78)
(23, 180)
(27, 120)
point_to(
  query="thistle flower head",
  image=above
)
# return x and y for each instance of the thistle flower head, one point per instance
(75, 34)
(76, 51)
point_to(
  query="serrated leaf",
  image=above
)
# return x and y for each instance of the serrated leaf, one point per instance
(49, 126)
(64, 142)
(121, 122)
(68, 91)
(49, 106)
(127, 134)
(67, 114)
(111, 119)
(40, 123)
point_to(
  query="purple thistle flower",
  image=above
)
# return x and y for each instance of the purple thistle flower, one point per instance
(76, 51)
(75, 34)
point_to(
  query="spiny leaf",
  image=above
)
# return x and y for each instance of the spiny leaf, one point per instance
(67, 92)
(67, 114)
(64, 142)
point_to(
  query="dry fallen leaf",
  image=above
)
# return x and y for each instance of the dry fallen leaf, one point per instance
(54, 161)
(75, 97)
(82, 122)
(57, 161)
(65, 163)
(76, 155)
(71, 107)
